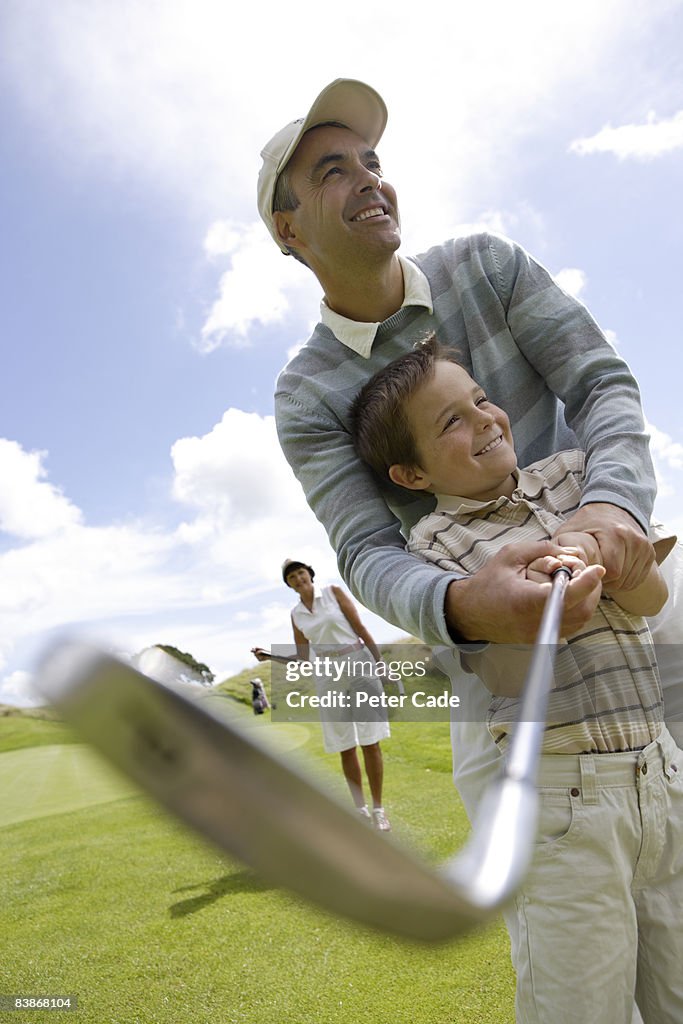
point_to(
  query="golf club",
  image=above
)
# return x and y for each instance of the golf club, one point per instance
(260, 807)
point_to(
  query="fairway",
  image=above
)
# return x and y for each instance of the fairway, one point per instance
(105, 897)
(39, 781)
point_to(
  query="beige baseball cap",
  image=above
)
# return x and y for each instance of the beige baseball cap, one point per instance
(346, 100)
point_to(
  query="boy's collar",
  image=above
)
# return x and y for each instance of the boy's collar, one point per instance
(527, 487)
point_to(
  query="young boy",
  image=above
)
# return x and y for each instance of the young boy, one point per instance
(605, 894)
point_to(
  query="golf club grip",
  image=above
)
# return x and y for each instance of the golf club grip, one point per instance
(549, 629)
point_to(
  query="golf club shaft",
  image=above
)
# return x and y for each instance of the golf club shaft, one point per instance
(497, 857)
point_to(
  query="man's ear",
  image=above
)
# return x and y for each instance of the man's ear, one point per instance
(411, 477)
(284, 227)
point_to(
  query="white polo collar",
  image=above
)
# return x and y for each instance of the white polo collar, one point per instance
(358, 336)
(527, 487)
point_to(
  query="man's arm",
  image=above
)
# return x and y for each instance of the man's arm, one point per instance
(562, 341)
(366, 536)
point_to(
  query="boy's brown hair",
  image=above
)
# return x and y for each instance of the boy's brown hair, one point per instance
(379, 427)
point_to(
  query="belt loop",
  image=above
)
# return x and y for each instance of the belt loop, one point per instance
(664, 756)
(588, 778)
(666, 748)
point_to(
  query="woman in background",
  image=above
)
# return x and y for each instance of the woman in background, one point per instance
(329, 622)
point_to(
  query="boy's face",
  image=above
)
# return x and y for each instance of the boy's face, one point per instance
(463, 440)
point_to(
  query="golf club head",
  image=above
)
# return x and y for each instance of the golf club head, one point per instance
(214, 775)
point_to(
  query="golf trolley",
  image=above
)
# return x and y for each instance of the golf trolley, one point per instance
(259, 700)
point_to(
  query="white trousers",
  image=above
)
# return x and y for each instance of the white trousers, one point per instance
(600, 915)
(476, 760)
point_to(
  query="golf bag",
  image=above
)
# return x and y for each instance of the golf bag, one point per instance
(259, 701)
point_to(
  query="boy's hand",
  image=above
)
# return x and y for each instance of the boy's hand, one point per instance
(541, 569)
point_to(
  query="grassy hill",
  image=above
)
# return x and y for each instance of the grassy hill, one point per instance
(104, 897)
(32, 727)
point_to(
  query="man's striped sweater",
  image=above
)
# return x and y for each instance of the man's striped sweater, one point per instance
(537, 352)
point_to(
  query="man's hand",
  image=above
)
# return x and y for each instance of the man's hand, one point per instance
(582, 544)
(501, 605)
(624, 549)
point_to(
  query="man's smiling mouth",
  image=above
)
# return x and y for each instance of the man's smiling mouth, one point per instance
(377, 211)
(491, 445)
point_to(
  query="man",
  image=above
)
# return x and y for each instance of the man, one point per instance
(345, 227)
(536, 350)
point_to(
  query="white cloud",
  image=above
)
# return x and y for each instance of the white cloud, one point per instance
(83, 573)
(132, 585)
(222, 238)
(663, 447)
(251, 512)
(29, 505)
(16, 688)
(497, 222)
(84, 578)
(655, 138)
(667, 457)
(261, 285)
(236, 471)
(572, 281)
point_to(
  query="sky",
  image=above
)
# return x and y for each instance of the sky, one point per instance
(145, 312)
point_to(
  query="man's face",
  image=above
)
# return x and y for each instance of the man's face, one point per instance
(464, 441)
(347, 212)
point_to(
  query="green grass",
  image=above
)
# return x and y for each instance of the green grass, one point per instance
(238, 686)
(18, 731)
(118, 904)
(48, 780)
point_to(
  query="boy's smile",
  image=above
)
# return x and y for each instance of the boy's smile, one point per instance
(464, 441)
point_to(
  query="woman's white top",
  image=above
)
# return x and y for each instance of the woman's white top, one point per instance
(325, 624)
